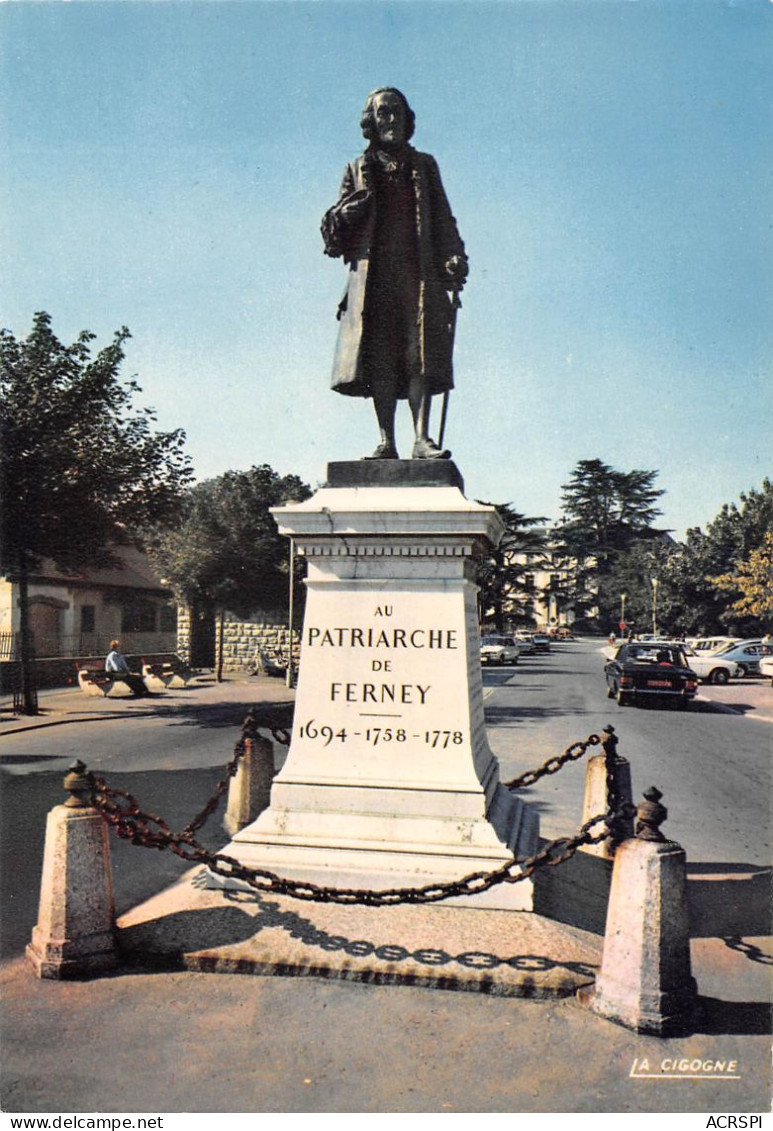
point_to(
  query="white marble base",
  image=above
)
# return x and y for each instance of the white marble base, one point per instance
(389, 780)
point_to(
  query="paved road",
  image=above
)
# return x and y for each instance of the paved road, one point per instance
(712, 766)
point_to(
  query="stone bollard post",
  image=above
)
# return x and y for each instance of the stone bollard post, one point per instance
(645, 981)
(75, 932)
(596, 794)
(249, 792)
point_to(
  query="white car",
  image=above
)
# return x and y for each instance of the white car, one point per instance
(499, 650)
(711, 643)
(747, 654)
(766, 668)
(710, 668)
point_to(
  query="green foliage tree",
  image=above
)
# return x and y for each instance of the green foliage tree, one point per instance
(605, 513)
(80, 468)
(226, 553)
(503, 579)
(728, 541)
(632, 574)
(753, 580)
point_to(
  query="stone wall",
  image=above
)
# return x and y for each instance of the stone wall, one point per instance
(243, 640)
(184, 634)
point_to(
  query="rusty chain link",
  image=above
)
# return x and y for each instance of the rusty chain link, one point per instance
(130, 822)
(553, 765)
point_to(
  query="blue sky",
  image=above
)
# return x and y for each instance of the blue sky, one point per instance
(165, 166)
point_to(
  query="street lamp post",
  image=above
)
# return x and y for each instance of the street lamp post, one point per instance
(654, 606)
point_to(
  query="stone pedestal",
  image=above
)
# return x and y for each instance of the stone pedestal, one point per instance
(645, 982)
(74, 935)
(389, 780)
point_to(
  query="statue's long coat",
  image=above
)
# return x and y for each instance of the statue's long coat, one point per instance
(437, 241)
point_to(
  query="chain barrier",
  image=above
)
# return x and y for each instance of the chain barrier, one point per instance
(121, 810)
(130, 822)
(553, 765)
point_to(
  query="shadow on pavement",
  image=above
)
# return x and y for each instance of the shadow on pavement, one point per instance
(505, 717)
(192, 931)
(733, 1018)
(226, 714)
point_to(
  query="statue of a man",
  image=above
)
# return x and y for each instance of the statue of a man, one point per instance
(393, 226)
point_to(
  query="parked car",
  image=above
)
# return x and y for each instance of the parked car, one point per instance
(711, 643)
(642, 671)
(747, 654)
(499, 650)
(766, 668)
(711, 668)
(525, 643)
(541, 642)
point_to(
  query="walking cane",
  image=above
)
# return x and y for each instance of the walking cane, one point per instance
(456, 305)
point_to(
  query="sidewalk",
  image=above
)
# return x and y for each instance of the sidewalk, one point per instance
(58, 706)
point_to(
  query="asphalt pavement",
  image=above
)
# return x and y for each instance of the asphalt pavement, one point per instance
(190, 1041)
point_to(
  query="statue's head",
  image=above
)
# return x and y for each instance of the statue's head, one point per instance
(378, 100)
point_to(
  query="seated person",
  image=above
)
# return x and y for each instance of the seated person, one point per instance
(115, 663)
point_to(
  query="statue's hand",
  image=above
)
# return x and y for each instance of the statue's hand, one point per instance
(457, 270)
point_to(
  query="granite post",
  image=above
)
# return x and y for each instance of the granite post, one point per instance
(597, 800)
(75, 932)
(249, 791)
(645, 982)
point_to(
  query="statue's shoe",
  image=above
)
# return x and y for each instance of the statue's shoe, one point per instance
(384, 451)
(428, 449)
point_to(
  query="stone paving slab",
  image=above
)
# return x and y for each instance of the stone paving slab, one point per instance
(516, 954)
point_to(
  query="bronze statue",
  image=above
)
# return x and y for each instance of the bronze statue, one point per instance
(393, 226)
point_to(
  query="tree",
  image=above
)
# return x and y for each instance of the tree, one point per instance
(729, 540)
(605, 512)
(80, 469)
(226, 552)
(753, 579)
(502, 577)
(632, 574)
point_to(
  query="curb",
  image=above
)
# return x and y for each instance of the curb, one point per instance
(44, 723)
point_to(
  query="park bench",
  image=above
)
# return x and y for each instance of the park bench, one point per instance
(94, 680)
(162, 674)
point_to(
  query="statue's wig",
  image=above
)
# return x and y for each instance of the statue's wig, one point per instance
(368, 119)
